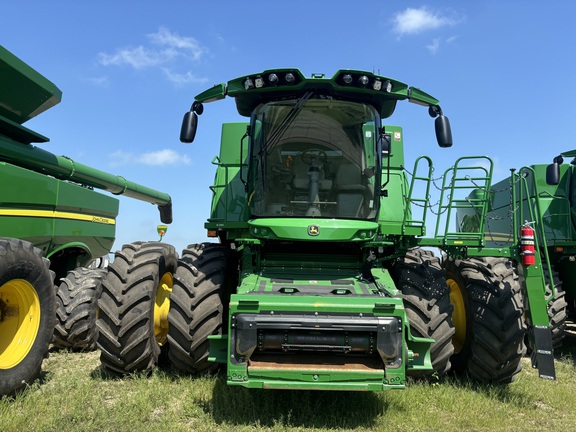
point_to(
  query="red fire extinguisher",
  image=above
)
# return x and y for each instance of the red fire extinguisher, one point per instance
(527, 245)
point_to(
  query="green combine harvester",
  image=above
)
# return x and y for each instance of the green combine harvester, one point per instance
(321, 274)
(543, 197)
(53, 228)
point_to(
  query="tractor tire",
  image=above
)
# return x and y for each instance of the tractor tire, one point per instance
(133, 308)
(77, 309)
(27, 313)
(197, 306)
(557, 308)
(421, 280)
(488, 317)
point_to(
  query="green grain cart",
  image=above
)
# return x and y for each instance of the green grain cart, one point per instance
(53, 225)
(321, 274)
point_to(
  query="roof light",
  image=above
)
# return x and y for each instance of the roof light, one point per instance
(347, 79)
(259, 82)
(248, 84)
(377, 85)
(289, 78)
(273, 78)
(387, 86)
(363, 80)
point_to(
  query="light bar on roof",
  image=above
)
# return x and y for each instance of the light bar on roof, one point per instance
(270, 79)
(362, 80)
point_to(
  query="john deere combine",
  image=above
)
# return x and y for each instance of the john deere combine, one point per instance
(539, 201)
(53, 225)
(319, 278)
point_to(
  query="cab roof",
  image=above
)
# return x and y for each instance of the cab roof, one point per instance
(346, 84)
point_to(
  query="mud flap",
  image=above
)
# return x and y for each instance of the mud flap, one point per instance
(543, 353)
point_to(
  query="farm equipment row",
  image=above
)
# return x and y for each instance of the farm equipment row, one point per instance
(321, 274)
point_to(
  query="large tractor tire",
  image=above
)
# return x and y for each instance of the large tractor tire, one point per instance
(557, 308)
(77, 309)
(27, 313)
(133, 308)
(197, 306)
(426, 299)
(488, 317)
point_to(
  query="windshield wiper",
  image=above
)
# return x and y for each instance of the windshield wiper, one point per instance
(286, 122)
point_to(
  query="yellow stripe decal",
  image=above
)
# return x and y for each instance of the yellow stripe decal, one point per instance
(58, 215)
(497, 236)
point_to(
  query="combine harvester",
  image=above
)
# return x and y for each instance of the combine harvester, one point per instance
(321, 275)
(544, 209)
(53, 226)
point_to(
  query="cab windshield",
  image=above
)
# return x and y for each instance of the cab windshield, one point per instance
(314, 157)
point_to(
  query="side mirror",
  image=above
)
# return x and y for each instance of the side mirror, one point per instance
(553, 173)
(190, 122)
(443, 131)
(189, 125)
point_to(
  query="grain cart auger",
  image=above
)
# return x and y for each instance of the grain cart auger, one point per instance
(318, 280)
(53, 226)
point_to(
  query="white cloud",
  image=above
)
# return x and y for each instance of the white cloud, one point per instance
(164, 50)
(414, 21)
(98, 81)
(139, 57)
(185, 78)
(434, 46)
(187, 46)
(154, 158)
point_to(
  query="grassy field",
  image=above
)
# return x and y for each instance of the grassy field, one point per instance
(74, 394)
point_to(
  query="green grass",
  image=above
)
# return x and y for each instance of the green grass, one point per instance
(74, 394)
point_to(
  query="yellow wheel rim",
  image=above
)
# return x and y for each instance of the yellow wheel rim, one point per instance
(161, 308)
(458, 315)
(19, 321)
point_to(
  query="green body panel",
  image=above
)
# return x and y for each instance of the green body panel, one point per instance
(25, 92)
(324, 373)
(313, 230)
(554, 204)
(37, 159)
(229, 194)
(47, 199)
(50, 213)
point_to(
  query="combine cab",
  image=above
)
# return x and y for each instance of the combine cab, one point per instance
(54, 228)
(318, 277)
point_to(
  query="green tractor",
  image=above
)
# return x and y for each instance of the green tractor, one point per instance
(54, 229)
(321, 275)
(543, 197)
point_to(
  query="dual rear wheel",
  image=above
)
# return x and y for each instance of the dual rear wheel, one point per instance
(76, 311)
(472, 309)
(154, 305)
(133, 308)
(488, 318)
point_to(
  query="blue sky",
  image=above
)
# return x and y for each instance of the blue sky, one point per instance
(502, 70)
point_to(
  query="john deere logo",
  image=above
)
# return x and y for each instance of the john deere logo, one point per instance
(313, 230)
